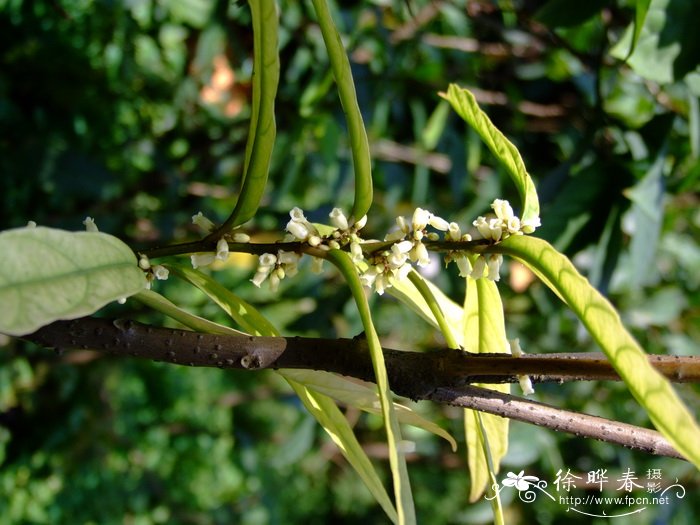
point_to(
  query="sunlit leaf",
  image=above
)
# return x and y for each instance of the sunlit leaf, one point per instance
(348, 98)
(199, 324)
(484, 332)
(261, 136)
(243, 313)
(654, 392)
(407, 293)
(445, 327)
(399, 471)
(48, 274)
(364, 396)
(336, 425)
(507, 154)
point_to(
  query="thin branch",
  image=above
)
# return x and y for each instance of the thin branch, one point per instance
(541, 414)
(441, 375)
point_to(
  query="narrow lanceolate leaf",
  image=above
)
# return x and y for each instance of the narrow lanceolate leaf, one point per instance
(486, 434)
(48, 274)
(262, 132)
(248, 318)
(198, 324)
(432, 302)
(348, 98)
(336, 425)
(507, 154)
(399, 471)
(362, 395)
(666, 410)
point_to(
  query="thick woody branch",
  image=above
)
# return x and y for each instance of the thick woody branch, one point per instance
(442, 375)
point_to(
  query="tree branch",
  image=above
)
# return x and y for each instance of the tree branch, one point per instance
(442, 375)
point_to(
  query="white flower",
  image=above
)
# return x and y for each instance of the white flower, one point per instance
(483, 227)
(298, 229)
(402, 247)
(267, 260)
(202, 259)
(31, 224)
(494, 265)
(513, 225)
(144, 263)
(515, 347)
(204, 223)
(274, 282)
(380, 284)
(240, 237)
(314, 240)
(222, 249)
(338, 219)
(297, 215)
(420, 219)
(402, 272)
(419, 255)
(502, 209)
(356, 252)
(438, 223)
(395, 235)
(368, 277)
(526, 385)
(288, 258)
(401, 223)
(479, 267)
(361, 223)
(90, 225)
(260, 276)
(454, 233)
(160, 272)
(529, 225)
(464, 265)
(496, 230)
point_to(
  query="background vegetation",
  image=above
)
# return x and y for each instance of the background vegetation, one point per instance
(136, 113)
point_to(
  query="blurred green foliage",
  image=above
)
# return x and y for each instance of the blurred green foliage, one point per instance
(136, 113)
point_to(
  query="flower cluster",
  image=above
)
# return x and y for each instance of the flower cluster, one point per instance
(402, 247)
(222, 251)
(299, 229)
(153, 272)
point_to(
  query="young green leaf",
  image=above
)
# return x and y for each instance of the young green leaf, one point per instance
(399, 471)
(484, 331)
(431, 301)
(48, 274)
(363, 396)
(507, 154)
(336, 425)
(654, 392)
(199, 324)
(348, 98)
(243, 313)
(261, 136)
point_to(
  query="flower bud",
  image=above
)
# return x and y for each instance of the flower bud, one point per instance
(204, 223)
(90, 225)
(338, 219)
(222, 249)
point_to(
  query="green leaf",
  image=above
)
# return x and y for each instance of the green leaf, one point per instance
(348, 98)
(399, 471)
(363, 396)
(507, 154)
(486, 434)
(641, 9)
(48, 274)
(199, 324)
(261, 136)
(654, 392)
(336, 425)
(435, 309)
(243, 313)
(407, 293)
